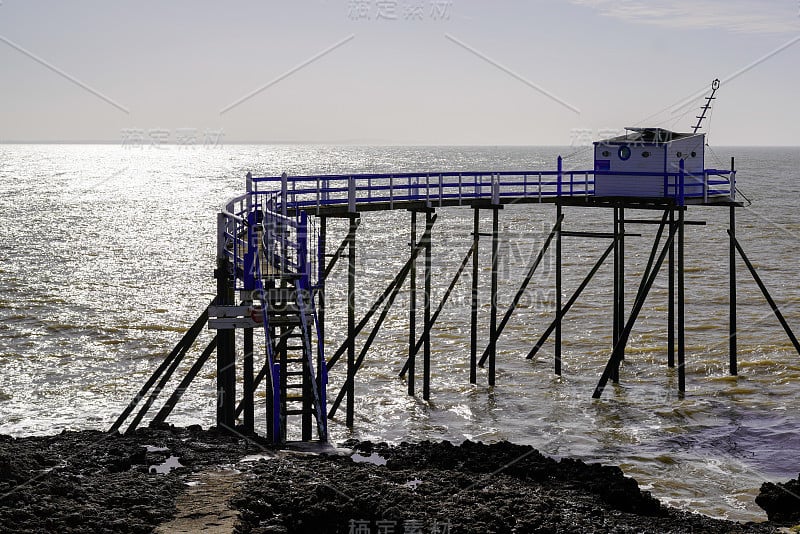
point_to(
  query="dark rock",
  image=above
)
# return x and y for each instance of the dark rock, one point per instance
(781, 501)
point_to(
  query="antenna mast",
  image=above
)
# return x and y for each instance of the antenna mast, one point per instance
(707, 106)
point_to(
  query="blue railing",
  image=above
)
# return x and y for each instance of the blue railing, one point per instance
(273, 212)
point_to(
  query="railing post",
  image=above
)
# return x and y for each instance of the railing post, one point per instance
(495, 189)
(284, 193)
(733, 180)
(351, 194)
(681, 183)
(222, 226)
(559, 177)
(540, 187)
(705, 187)
(317, 195)
(303, 265)
(249, 189)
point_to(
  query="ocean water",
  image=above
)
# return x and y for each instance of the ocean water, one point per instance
(108, 252)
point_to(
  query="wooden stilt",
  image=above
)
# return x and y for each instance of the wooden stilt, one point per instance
(621, 294)
(671, 298)
(618, 317)
(322, 370)
(559, 314)
(426, 334)
(473, 333)
(351, 321)
(226, 355)
(732, 349)
(493, 305)
(681, 305)
(616, 305)
(412, 306)
(248, 389)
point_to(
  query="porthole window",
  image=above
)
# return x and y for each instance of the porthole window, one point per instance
(605, 153)
(694, 154)
(679, 154)
(624, 152)
(645, 154)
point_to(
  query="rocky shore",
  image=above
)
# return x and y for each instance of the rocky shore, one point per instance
(194, 480)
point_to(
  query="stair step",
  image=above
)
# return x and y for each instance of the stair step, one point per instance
(298, 412)
(285, 320)
(294, 373)
(290, 398)
(294, 386)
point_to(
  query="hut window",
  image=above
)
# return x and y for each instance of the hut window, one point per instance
(645, 154)
(605, 153)
(694, 153)
(679, 154)
(624, 152)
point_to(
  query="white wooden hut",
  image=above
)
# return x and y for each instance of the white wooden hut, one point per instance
(650, 153)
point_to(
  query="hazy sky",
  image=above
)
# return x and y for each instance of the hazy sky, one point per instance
(396, 71)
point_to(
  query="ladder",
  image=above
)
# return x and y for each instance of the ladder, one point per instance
(707, 105)
(296, 388)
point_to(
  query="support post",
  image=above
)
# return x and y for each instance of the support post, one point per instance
(621, 277)
(493, 307)
(322, 370)
(473, 334)
(557, 352)
(412, 305)
(617, 316)
(351, 321)
(734, 370)
(615, 283)
(681, 305)
(671, 297)
(226, 354)
(426, 335)
(248, 407)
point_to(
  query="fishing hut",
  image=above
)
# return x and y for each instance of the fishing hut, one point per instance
(275, 269)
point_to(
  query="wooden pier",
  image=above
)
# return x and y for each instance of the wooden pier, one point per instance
(268, 292)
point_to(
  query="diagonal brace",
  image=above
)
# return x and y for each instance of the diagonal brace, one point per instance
(570, 302)
(766, 294)
(439, 308)
(419, 247)
(619, 347)
(525, 282)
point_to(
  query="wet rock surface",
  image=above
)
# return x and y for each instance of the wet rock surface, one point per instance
(781, 501)
(98, 482)
(438, 487)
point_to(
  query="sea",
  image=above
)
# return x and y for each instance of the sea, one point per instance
(107, 257)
